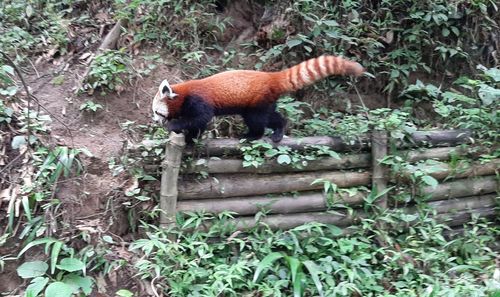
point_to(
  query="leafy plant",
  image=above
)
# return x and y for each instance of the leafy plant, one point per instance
(8, 86)
(316, 259)
(66, 276)
(107, 72)
(90, 106)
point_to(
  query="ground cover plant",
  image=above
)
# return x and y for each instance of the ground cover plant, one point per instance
(78, 214)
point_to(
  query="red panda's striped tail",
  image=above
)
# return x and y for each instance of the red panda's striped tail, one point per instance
(310, 71)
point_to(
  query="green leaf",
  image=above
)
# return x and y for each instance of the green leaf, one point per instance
(293, 42)
(297, 285)
(32, 269)
(18, 141)
(47, 241)
(284, 159)
(36, 286)
(59, 289)
(54, 255)
(71, 265)
(79, 282)
(294, 265)
(334, 230)
(493, 73)
(314, 272)
(8, 69)
(124, 293)
(429, 180)
(26, 207)
(266, 263)
(488, 94)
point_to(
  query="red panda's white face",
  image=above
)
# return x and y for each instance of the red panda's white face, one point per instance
(160, 108)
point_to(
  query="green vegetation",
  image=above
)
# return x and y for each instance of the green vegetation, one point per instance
(106, 72)
(421, 258)
(434, 62)
(90, 106)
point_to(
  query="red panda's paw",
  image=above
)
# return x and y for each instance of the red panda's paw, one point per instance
(174, 126)
(277, 135)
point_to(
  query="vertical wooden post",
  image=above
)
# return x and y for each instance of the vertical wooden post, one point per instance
(169, 175)
(379, 177)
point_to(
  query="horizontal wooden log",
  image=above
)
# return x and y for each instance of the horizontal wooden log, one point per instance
(464, 203)
(343, 220)
(461, 217)
(466, 170)
(462, 188)
(349, 161)
(316, 201)
(217, 165)
(219, 147)
(305, 202)
(289, 221)
(248, 185)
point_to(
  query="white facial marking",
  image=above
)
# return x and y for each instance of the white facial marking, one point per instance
(159, 107)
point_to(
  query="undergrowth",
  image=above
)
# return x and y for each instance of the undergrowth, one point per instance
(398, 42)
(421, 258)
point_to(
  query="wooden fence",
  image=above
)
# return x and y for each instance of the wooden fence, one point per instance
(464, 189)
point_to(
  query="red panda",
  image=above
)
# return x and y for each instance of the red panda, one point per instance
(189, 106)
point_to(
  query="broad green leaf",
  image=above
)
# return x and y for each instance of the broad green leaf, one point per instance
(266, 263)
(124, 293)
(8, 69)
(284, 159)
(314, 272)
(71, 265)
(293, 42)
(26, 207)
(54, 255)
(79, 282)
(59, 289)
(493, 73)
(32, 269)
(297, 285)
(429, 180)
(334, 230)
(294, 265)
(36, 286)
(18, 141)
(488, 94)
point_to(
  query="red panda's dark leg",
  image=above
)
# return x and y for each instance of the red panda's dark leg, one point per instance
(276, 122)
(256, 120)
(194, 116)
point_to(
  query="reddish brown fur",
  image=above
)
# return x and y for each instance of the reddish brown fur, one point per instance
(246, 88)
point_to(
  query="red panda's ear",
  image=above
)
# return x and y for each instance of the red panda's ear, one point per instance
(166, 91)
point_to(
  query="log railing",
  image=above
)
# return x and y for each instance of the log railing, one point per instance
(464, 188)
